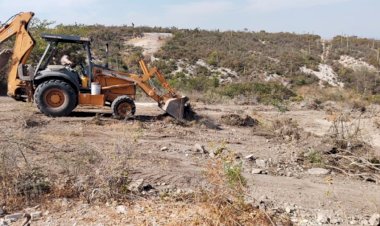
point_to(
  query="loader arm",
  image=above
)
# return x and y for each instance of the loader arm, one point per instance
(171, 102)
(23, 46)
(143, 83)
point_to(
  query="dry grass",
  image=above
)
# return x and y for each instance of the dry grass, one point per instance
(317, 96)
(347, 130)
(283, 128)
(352, 154)
(223, 202)
(286, 128)
(376, 121)
(21, 182)
(92, 175)
(238, 120)
(37, 168)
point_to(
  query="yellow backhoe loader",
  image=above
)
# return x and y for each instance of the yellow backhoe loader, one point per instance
(57, 89)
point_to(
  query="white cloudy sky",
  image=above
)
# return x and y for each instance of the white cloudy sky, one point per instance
(324, 17)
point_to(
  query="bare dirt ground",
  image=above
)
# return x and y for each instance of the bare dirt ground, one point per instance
(163, 153)
(150, 42)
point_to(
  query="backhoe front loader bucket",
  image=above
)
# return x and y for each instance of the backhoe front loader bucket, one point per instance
(172, 103)
(4, 57)
(176, 107)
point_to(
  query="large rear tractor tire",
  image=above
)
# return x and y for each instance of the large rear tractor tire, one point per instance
(55, 98)
(123, 107)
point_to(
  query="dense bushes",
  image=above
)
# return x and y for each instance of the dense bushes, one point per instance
(359, 48)
(253, 55)
(267, 93)
(209, 88)
(245, 52)
(363, 81)
(194, 84)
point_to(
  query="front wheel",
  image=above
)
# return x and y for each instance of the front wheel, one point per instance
(55, 98)
(123, 107)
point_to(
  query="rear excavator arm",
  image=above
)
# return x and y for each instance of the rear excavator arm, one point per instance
(24, 43)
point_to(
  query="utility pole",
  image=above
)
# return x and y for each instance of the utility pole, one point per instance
(377, 56)
(378, 65)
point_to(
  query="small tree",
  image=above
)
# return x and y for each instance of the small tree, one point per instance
(213, 58)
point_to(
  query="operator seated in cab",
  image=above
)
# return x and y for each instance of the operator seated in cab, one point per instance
(65, 61)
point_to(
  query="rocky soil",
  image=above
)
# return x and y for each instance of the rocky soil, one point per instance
(281, 154)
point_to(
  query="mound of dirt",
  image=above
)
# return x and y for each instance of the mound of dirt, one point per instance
(190, 114)
(237, 120)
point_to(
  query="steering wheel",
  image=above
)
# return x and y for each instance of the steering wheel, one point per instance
(82, 68)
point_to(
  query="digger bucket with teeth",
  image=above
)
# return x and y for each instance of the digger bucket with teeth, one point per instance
(171, 102)
(176, 107)
(4, 57)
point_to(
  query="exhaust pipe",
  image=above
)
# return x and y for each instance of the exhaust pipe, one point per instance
(107, 55)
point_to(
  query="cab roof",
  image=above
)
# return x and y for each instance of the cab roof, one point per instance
(65, 38)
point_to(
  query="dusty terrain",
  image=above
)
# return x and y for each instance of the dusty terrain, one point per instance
(150, 42)
(168, 158)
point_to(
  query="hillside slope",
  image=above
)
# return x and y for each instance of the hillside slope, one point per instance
(210, 61)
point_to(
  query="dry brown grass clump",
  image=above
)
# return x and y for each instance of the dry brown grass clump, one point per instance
(20, 182)
(346, 131)
(352, 153)
(34, 168)
(287, 129)
(29, 120)
(238, 120)
(223, 202)
(284, 129)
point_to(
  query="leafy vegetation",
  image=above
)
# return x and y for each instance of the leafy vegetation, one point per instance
(315, 158)
(267, 93)
(359, 48)
(245, 52)
(253, 55)
(264, 92)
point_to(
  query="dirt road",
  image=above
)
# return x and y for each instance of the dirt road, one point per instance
(150, 42)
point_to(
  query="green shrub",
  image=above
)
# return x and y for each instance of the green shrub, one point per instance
(375, 99)
(200, 83)
(359, 48)
(362, 81)
(245, 52)
(213, 58)
(233, 172)
(315, 158)
(302, 79)
(266, 93)
(165, 66)
(132, 60)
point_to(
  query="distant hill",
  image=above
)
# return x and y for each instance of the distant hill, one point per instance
(208, 61)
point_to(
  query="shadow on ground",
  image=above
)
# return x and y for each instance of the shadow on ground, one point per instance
(142, 118)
